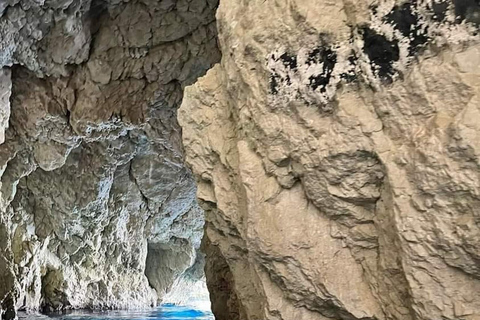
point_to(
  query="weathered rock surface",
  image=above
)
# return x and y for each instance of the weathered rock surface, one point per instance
(336, 149)
(92, 173)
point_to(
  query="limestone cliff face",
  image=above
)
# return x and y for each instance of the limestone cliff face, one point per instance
(96, 206)
(337, 153)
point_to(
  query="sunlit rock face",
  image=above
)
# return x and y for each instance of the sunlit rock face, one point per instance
(337, 153)
(92, 177)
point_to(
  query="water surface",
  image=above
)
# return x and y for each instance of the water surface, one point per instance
(166, 312)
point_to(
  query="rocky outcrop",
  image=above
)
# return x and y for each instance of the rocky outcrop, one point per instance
(93, 183)
(336, 152)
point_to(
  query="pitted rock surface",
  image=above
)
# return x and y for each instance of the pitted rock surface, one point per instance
(92, 172)
(336, 152)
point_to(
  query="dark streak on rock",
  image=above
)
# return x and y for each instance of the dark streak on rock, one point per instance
(274, 83)
(288, 80)
(411, 20)
(405, 19)
(468, 11)
(440, 10)
(350, 76)
(328, 58)
(289, 61)
(381, 52)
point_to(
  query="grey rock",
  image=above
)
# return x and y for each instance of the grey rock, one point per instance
(92, 172)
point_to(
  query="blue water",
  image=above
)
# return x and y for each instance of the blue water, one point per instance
(166, 312)
(182, 313)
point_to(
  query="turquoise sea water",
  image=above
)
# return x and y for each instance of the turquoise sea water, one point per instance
(172, 312)
(166, 312)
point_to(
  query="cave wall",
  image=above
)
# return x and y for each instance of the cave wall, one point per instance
(336, 152)
(91, 159)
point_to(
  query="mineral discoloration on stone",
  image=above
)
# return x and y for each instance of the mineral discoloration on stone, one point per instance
(350, 200)
(377, 51)
(307, 76)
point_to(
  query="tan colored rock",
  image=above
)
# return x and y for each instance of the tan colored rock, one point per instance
(335, 149)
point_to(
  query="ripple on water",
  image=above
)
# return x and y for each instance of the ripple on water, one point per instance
(166, 312)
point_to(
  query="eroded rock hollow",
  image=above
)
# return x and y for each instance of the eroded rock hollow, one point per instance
(97, 209)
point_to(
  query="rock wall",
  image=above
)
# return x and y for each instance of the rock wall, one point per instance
(336, 149)
(95, 201)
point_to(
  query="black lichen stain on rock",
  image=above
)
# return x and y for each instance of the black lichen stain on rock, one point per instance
(440, 10)
(405, 19)
(289, 61)
(381, 52)
(289, 69)
(467, 10)
(327, 58)
(274, 82)
(413, 22)
(350, 76)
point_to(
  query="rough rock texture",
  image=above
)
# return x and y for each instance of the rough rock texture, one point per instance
(336, 149)
(191, 289)
(93, 183)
